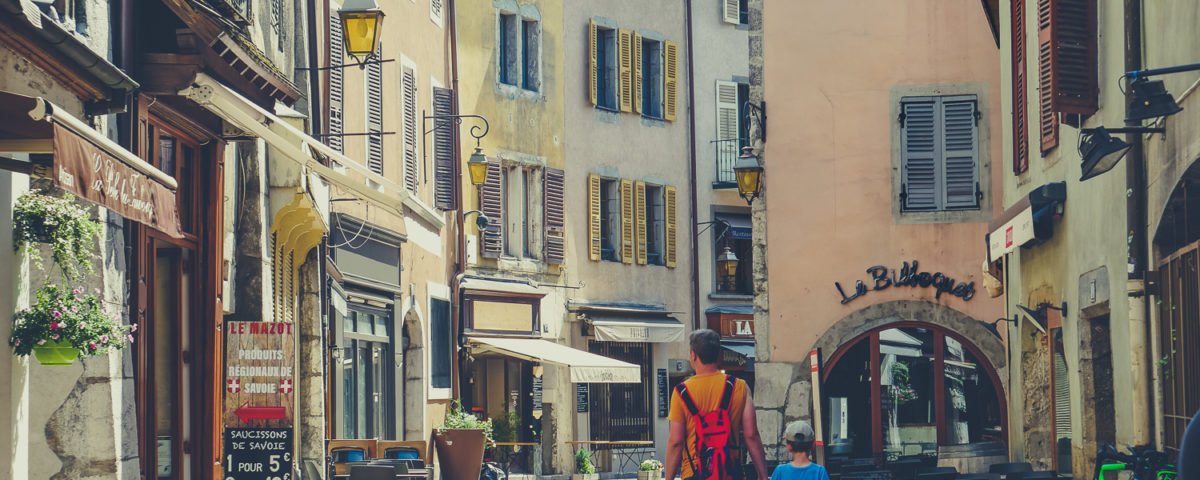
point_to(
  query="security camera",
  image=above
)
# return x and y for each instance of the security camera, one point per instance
(481, 221)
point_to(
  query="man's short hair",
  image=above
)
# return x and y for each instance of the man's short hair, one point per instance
(706, 344)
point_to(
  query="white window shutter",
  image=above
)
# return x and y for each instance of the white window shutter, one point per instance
(730, 12)
(337, 56)
(435, 12)
(727, 110)
(408, 87)
(375, 117)
(918, 150)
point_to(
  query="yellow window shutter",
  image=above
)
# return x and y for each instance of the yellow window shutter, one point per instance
(639, 205)
(669, 228)
(637, 72)
(594, 217)
(592, 37)
(670, 71)
(626, 54)
(627, 246)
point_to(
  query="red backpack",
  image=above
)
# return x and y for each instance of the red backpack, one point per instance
(714, 437)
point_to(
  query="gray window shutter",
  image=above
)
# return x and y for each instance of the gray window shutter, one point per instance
(491, 203)
(918, 154)
(445, 185)
(960, 150)
(408, 86)
(554, 208)
(337, 55)
(375, 117)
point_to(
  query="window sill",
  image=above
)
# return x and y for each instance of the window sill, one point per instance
(724, 185)
(730, 296)
(607, 109)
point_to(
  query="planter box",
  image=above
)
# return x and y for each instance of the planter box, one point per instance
(585, 476)
(57, 353)
(649, 474)
(459, 452)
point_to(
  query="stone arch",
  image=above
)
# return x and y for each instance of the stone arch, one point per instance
(414, 372)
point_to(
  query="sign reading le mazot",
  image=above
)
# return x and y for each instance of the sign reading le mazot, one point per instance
(89, 172)
(260, 360)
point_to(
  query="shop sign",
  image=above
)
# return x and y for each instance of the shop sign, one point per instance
(908, 276)
(664, 394)
(581, 397)
(737, 327)
(259, 374)
(258, 454)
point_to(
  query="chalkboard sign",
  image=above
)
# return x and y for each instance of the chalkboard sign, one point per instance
(537, 393)
(581, 397)
(664, 393)
(258, 453)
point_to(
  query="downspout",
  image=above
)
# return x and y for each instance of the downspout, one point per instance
(1135, 220)
(687, 5)
(315, 113)
(460, 235)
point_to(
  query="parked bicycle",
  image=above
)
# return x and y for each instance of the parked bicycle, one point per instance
(1144, 462)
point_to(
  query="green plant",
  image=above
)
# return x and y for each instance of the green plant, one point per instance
(459, 419)
(60, 222)
(650, 464)
(504, 429)
(583, 462)
(70, 318)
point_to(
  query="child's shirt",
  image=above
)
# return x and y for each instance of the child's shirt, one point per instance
(787, 471)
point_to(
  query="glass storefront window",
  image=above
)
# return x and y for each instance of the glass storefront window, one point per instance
(368, 379)
(906, 391)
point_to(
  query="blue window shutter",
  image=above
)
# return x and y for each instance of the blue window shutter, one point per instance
(919, 135)
(961, 152)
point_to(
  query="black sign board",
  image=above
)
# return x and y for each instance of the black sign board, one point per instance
(581, 397)
(664, 393)
(258, 454)
(537, 393)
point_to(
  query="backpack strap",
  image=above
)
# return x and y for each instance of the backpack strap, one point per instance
(727, 396)
(687, 399)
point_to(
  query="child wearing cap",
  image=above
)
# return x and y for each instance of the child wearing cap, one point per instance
(799, 438)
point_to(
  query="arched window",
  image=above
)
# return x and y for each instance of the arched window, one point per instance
(904, 389)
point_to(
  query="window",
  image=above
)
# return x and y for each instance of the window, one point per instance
(610, 223)
(939, 153)
(368, 373)
(735, 12)
(604, 67)
(529, 54)
(621, 412)
(736, 236)
(521, 229)
(625, 219)
(732, 133)
(652, 83)
(510, 56)
(441, 342)
(654, 225)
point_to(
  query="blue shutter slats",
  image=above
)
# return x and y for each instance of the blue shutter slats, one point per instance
(959, 148)
(939, 153)
(919, 152)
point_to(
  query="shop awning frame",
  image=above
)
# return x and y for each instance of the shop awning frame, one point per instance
(584, 367)
(298, 146)
(661, 329)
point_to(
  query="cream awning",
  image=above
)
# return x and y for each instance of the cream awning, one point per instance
(585, 367)
(623, 329)
(298, 146)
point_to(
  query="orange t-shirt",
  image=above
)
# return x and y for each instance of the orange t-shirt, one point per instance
(706, 391)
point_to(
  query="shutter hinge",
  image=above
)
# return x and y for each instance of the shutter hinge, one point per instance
(978, 115)
(901, 119)
(903, 193)
(978, 194)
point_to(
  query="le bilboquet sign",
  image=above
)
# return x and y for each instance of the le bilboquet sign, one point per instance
(908, 276)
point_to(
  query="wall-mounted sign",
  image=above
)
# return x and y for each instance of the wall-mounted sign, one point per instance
(259, 382)
(908, 276)
(258, 453)
(664, 393)
(581, 397)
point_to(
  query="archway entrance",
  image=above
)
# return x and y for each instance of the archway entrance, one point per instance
(905, 389)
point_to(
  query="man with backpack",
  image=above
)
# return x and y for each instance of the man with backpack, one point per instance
(712, 420)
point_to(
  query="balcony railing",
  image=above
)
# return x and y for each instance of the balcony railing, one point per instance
(727, 153)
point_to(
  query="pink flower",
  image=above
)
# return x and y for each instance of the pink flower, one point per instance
(54, 336)
(26, 310)
(82, 324)
(54, 325)
(96, 290)
(56, 314)
(130, 338)
(92, 345)
(74, 309)
(77, 290)
(132, 327)
(42, 342)
(16, 341)
(104, 339)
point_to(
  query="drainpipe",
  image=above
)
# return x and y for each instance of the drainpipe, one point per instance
(1135, 219)
(687, 5)
(461, 239)
(315, 114)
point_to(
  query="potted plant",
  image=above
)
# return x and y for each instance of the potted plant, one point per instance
(460, 442)
(62, 325)
(60, 222)
(650, 469)
(584, 470)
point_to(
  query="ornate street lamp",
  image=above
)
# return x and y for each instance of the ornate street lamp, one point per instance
(361, 23)
(727, 264)
(749, 175)
(477, 166)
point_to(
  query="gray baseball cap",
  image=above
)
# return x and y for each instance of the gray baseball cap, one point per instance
(798, 431)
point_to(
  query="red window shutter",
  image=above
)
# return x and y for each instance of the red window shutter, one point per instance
(1074, 70)
(1047, 121)
(491, 203)
(554, 209)
(1020, 114)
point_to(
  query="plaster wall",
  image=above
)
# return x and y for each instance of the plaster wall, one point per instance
(829, 72)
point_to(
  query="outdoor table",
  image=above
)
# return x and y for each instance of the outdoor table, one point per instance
(517, 448)
(630, 452)
(422, 473)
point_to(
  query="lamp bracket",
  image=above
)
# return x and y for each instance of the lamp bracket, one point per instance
(758, 113)
(457, 121)
(1137, 74)
(724, 228)
(339, 67)
(1138, 130)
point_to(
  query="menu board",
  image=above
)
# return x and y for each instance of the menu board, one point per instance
(258, 454)
(581, 397)
(259, 364)
(664, 393)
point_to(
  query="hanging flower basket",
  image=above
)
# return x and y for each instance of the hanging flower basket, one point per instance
(64, 225)
(63, 325)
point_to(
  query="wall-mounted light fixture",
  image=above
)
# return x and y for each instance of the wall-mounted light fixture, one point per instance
(362, 21)
(477, 164)
(1100, 151)
(727, 264)
(1149, 99)
(1038, 316)
(748, 172)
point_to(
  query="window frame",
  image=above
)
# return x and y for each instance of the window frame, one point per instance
(610, 219)
(439, 292)
(531, 46)
(652, 77)
(351, 340)
(982, 148)
(509, 51)
(655, 218)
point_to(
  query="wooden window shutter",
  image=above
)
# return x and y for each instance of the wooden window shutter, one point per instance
(639, 220)
(375, 117)
(337, 55)
(960, 152)
(1071, 28)
(554, 211)
(1047, 121)
(627, 234)
(669, 226)
(594, 217)
(918, 154)
(670, 79)
(1020, 109)
(730, 12)
(626, 69)
(593, 36)
(637, 72)
(408, 85)
(491, 203)
(727, 110)
(445, 184)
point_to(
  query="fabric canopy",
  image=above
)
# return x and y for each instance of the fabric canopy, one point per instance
(584, 367)
(624, 329)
